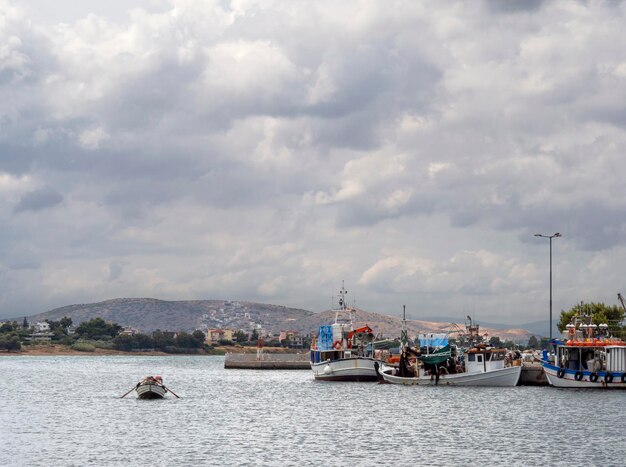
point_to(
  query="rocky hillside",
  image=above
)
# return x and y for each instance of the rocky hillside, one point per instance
(147, 314)
(389, 326)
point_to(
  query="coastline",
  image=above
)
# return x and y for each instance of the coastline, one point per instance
(62, 350)
(39, 350)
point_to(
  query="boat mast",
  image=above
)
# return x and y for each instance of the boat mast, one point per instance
(342, 302)
(404, 335)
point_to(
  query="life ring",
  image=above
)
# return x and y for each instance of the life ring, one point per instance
(578, 376)
(337, 345)
(608, 377)
(593, 377)
(623, 379)
(560, 373)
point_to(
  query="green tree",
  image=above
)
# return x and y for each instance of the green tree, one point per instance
(599, 313)
(136, 342)
(255, 336)
(98, 329)
(59, 333)
(143, 341)
(533, 343)
(10, 342)
(241, 337)
(199, 336)
(65, 322)
(6, 328)
(163, 339)
(25, 323)
(187, 341)
(53, 324)
(495, 341)
(123, 342)
(508, 344)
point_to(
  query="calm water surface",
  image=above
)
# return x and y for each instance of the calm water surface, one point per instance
(67, 410)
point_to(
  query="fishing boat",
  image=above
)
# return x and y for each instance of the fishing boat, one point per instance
(586, 357)
(438, 363)
(342, 353)
(151, 387)
(480, 366)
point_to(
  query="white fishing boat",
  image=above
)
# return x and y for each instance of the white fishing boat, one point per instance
(586, 357)
(437, 363)
(481, 366)
(342, 353)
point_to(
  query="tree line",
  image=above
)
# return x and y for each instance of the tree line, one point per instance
(97, 332)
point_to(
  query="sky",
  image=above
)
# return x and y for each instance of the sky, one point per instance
(268, 151)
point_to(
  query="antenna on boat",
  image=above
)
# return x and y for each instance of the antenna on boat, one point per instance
(404, 335)
(342, 301)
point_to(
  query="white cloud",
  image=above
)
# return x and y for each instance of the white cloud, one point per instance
(259, 150)
(93, 138)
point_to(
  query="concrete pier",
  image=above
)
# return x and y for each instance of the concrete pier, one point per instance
(267, 361)
(533, 375)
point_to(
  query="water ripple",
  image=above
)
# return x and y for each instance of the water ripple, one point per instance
(67, 411)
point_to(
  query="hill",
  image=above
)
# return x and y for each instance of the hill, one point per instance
(148, 314)
(389, 326)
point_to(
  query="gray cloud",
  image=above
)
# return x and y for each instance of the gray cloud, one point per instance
(259, 151)
(514, 6)
(39, 199)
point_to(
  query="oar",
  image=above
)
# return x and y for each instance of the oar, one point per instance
(170, 391)
(129, 392)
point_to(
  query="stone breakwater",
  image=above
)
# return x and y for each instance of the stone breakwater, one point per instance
(267, 361)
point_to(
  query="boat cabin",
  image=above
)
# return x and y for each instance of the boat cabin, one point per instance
(339, 341)
(590, 356)
(482, 360)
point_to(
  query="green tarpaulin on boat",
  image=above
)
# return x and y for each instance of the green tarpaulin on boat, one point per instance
(437, 357)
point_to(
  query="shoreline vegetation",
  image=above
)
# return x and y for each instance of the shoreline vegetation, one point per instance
(38, 350)
(99, 337)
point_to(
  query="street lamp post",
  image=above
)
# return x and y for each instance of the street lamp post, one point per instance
(550, 237)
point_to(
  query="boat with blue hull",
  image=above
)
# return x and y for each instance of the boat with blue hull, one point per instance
(586, 357)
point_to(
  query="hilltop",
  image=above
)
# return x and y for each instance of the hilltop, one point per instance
(148, 314)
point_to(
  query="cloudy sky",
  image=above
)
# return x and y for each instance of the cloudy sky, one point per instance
(266, 151)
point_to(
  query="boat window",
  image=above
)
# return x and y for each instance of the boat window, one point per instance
(479, 358)
(471, 357)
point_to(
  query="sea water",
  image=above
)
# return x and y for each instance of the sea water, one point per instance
(67, 410)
